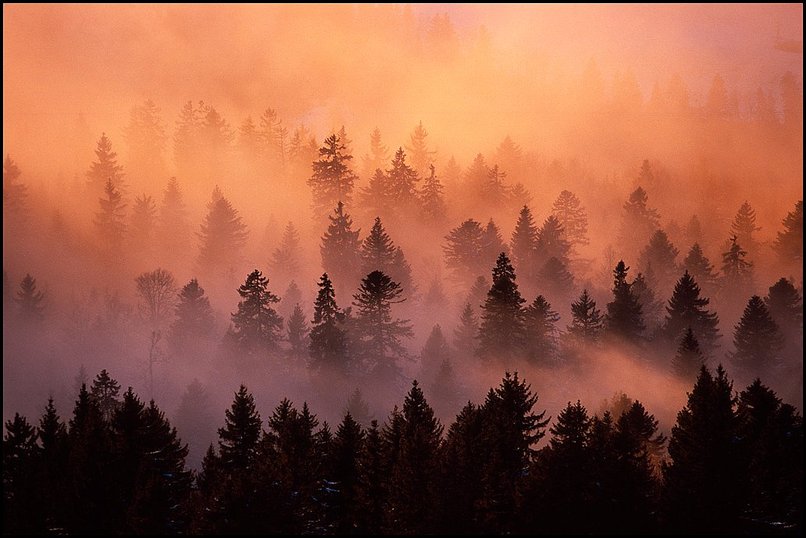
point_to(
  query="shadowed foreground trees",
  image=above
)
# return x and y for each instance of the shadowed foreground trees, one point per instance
(734, 465)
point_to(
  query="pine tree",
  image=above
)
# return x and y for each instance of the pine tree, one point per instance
(380, 335)
(744, 225)
(379, 253)
(703, 479)
(15, 195)
(789, 243)
(551, 242)
(524, 246)
(786, 308)
(20, 453)
(328, 338)
(142, 226)
(638, 223)
(377, 197)
(434, 352)
(340, 250)
(285, 258)
(413, 493)
(146, 139)
(572, 218)
(30, 301)
(701, 270)
(501, 334)
(687, 311)
(222, 236)
(272, 138)
(494, 191)
(174, 231)
(378, 154)
(587, 321)
(491, 245)
(402, 181)
(421, 156)
(297, 335)
(659, 255)
(343, 473)
(773, 434)
(541, 332)
(465, 335)
(110, 222)
(461, 249)
(256, 325)
(737, 272)
(432, 201)
(187, 137)
(195, 422)
(358, 408)
(624, 317)
(194, 320)
(332, 179)
(688, 361)
(52, 435)
(511, 428)
(104, 392)
(106, 169)
(371, 483)
(756, 338)
(651, 306)
(238, 439)
(556, 280)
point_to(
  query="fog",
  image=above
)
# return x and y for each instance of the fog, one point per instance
(577, 98)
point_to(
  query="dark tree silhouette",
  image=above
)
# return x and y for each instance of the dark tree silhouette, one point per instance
(328, 337)
(222, 237)
(704, 478)
(297, 336)
(30, 301)
(461, 249)
(688, 361)
(465, 335)
(379, 253)
(105, 169)
(524, 246)
(638, 223)
(340, 250)
(434, 353)
(624, 317)
(659, 256)
(432, 201)
(756, 339)
(501, 333)
(332, 179)
(789, 243)
(701, 270)
(687, 311)
(737, 273)
(256, 326)
(572, 218)
(540, 324)
(744, 225)
(194, 320)
(586, 320)
(104, 392)
(379, 334)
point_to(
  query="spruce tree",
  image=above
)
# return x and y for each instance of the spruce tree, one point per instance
(297, 335)
(421, 156)
(110, 222)
(701, 270)
(493, 190)
(15, 194)
(146, 140)
(104, 392)
(541, 332)
(789, 243)
(106, 169)
(556, 280)
(402, 180)
(20, 454)
(340, 250)
(756, 339)
(703, 479)
(465, 334)
(587, 321)
(378, 154)
(194, 320)
(328, 338)
(376, 197)
(744, 225)
(624, 317)
(332, 179)
(285, 258)
(572, 218)
(379, 253)
(379, 334)
(737, 272)
(174, 230)
(432, 201)
(142, 226)
(501, 332)
(461, 249)
(256, 326)
(660, 255)
(30, 301)
(523, 246)
(638, 223)
(688, 361)
(492, 244)
(551, 242)
(343, 473)
(238, 438)
(687, 311)
(222, 236)
(651, 306)
(434, 353)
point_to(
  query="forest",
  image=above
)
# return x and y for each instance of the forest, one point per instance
(515, 284)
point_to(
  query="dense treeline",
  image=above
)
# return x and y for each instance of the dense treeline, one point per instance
(734, 464)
